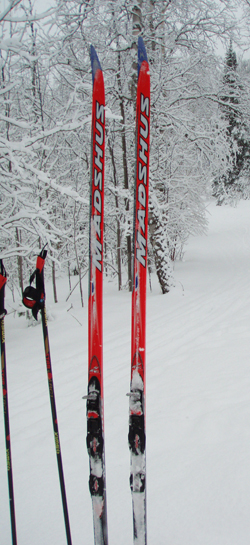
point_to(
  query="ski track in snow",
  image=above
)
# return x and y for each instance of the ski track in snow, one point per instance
(198, 404)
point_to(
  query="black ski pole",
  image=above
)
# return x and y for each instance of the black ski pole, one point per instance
(3, 278)
(34, 298)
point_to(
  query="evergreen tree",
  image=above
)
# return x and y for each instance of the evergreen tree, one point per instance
(232, 184)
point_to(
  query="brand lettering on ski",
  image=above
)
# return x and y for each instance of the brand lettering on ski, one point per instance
(98, 185)
(142, 176)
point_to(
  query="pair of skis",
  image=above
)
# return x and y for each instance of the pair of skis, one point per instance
(95, 414)
(34, 298)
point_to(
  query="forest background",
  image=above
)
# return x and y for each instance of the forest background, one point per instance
(200, 130)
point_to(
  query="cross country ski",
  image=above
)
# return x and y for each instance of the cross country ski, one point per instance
(137, 395)
(95, 418)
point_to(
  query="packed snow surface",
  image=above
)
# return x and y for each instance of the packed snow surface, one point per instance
(198, 404)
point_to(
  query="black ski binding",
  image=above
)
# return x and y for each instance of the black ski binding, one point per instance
(137, 482)
(136, 435)
(96, 485)
(94, 422)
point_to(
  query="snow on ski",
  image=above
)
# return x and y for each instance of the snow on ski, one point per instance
(137, 436)
(95, 418)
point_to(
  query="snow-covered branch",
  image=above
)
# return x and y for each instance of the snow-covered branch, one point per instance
(8, 9)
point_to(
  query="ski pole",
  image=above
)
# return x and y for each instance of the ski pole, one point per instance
(34, 299)
(3, 279)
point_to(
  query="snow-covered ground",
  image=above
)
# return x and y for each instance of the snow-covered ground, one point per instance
(198, 404)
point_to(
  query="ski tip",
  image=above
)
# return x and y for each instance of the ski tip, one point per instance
(95, 63)
(142, 55)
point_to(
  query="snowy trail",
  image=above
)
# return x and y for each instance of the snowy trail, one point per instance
(206, 418)
(198, 405)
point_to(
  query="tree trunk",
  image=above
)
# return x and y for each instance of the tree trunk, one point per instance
(118, 231)
(157, 233)
(54, 281)
(69, 278)
(125, 168)
(19, 261)
(77, 259)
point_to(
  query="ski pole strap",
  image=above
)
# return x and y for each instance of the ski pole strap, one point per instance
(40, 263)
(38, 273)
(33, 299)
(3, 280)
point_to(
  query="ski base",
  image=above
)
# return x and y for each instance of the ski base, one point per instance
(139, 517)
(100, 519)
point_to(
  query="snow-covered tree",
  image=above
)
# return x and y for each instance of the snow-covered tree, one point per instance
(39, 169)
(187, 138)
(233, 184)
(45, 131)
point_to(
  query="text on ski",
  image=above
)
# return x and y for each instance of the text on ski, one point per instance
(98, 184)
(142, 175)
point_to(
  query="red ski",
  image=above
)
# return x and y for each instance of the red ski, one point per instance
(95, 418)
(137, 424)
